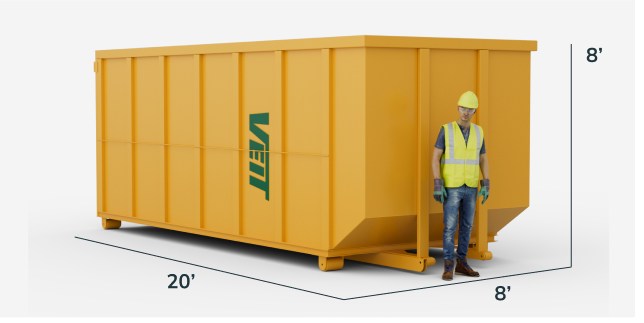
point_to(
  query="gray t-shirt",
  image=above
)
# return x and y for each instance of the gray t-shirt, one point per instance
(440, 142)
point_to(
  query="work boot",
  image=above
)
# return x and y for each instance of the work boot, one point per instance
(449, 269)
(462, 268)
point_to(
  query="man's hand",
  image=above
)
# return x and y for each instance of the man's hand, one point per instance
(485, 189)
(439, 191)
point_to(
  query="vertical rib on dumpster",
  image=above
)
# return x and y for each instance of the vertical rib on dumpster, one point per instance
(100, 145)
(198, 101)
(238, 80)
(422, 187)
(325, 149)
(481, 217)
(130, 96)
(279, 123)
(163, 136)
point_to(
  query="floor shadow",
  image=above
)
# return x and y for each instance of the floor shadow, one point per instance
(223, 245)
(291, 257)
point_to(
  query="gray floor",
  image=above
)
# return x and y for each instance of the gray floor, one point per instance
(285, 267)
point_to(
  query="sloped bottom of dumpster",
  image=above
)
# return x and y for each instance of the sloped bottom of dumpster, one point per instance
(281, 267)
(385, 255)
(395, 256)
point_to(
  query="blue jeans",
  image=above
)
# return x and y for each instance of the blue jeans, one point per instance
(464, 199)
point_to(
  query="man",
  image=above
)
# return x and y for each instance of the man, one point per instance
(458, 154)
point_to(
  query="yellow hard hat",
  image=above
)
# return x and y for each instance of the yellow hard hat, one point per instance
(468, 100)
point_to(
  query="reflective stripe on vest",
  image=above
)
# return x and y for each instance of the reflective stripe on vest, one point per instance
(463, 170)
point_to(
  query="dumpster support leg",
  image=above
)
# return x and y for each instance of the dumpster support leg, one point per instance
(479, 250)
(396, 259)
(332, 263)
(110, 224)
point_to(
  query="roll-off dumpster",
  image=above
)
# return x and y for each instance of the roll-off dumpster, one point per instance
(320, 146)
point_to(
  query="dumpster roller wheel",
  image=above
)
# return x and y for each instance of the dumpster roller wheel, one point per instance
(111, 224)
(473, 254)
(332, 263)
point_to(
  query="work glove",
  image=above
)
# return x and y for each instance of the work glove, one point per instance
(485, 189)
(439, 191)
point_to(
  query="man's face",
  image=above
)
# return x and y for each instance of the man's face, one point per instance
(465, 114)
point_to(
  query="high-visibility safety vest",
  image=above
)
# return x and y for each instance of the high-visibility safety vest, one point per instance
(460, 162)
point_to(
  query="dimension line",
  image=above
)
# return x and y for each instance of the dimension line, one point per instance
(223, 271)
(570, 155)
(308, 291)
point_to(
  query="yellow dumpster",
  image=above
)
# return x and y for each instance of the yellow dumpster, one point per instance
(320, 146)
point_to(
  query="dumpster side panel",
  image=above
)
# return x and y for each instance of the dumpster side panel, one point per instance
(348, 148)
(508, 137)
(258, 93)
(182, 187)
(390, 154)
(452, 72)
(392, 107)
(117, 127)
(150, 189)
(220, 129)
(148, 111)
(510, 128)
(182, 184)
(148, 106)
(304, 113)
(117, 100)
(180, 100)
(118, 178)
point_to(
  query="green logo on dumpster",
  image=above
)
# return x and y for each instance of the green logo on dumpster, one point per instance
(259, 152)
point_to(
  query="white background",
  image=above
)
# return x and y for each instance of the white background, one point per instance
(48, 177)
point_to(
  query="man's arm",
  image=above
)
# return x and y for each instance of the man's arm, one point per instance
(436, 162)
(485, 170)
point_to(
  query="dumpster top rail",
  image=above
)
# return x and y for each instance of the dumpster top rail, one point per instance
(325, 42)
